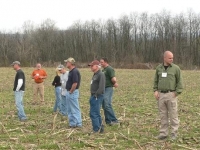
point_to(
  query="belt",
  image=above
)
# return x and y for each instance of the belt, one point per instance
(168, 91)
(70, 89)
(38, 82)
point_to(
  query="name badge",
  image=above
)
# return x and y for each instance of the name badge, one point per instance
(164, 74)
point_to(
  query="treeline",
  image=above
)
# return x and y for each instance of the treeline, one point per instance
(134, 38)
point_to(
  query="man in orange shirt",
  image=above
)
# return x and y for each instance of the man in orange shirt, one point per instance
(38, 88)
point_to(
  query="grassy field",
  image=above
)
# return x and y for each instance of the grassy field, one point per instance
(134, 105)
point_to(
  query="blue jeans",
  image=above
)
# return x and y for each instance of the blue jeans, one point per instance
(63, 110)
(19, 104)
(107, 106)
(73, 109)
(95, 116)
(57, 105)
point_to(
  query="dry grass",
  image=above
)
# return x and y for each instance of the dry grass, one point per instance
(134, 105)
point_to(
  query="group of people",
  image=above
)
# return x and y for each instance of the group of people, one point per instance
(167, 86)
(67, 85)
(67, 93)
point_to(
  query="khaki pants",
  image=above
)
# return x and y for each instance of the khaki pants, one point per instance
(167, 105)
(38, 88)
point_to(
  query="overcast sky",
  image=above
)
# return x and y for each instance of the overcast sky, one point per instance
(13, 13)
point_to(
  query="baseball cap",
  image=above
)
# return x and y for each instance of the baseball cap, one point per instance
(15, 62)
(71, 60)
(60, 67)
(94, 62)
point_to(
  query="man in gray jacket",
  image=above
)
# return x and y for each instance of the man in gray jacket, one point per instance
(97, 89)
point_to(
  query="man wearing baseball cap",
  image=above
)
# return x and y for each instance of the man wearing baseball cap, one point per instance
(19, 88)
(97, 89)
(72, 95)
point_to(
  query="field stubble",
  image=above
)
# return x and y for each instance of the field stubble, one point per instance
(134, 105)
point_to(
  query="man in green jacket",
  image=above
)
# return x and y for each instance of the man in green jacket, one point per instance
(167, 86)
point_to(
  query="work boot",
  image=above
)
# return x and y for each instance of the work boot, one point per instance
(161, 137)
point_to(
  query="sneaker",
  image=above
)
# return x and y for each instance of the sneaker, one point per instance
(77, 127)
(93, 133)
(113, 123)
(173, 136)
(161, 137)
(23, 120)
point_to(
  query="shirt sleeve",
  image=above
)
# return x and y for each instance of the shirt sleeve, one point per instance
(75, 77)
(101, 84)
(33, 73)
(58, 79)
(20, 75)
(19, 84)
(54, 81)
(179, 83)
(44, 73)
(111, 73)
(155, 87)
